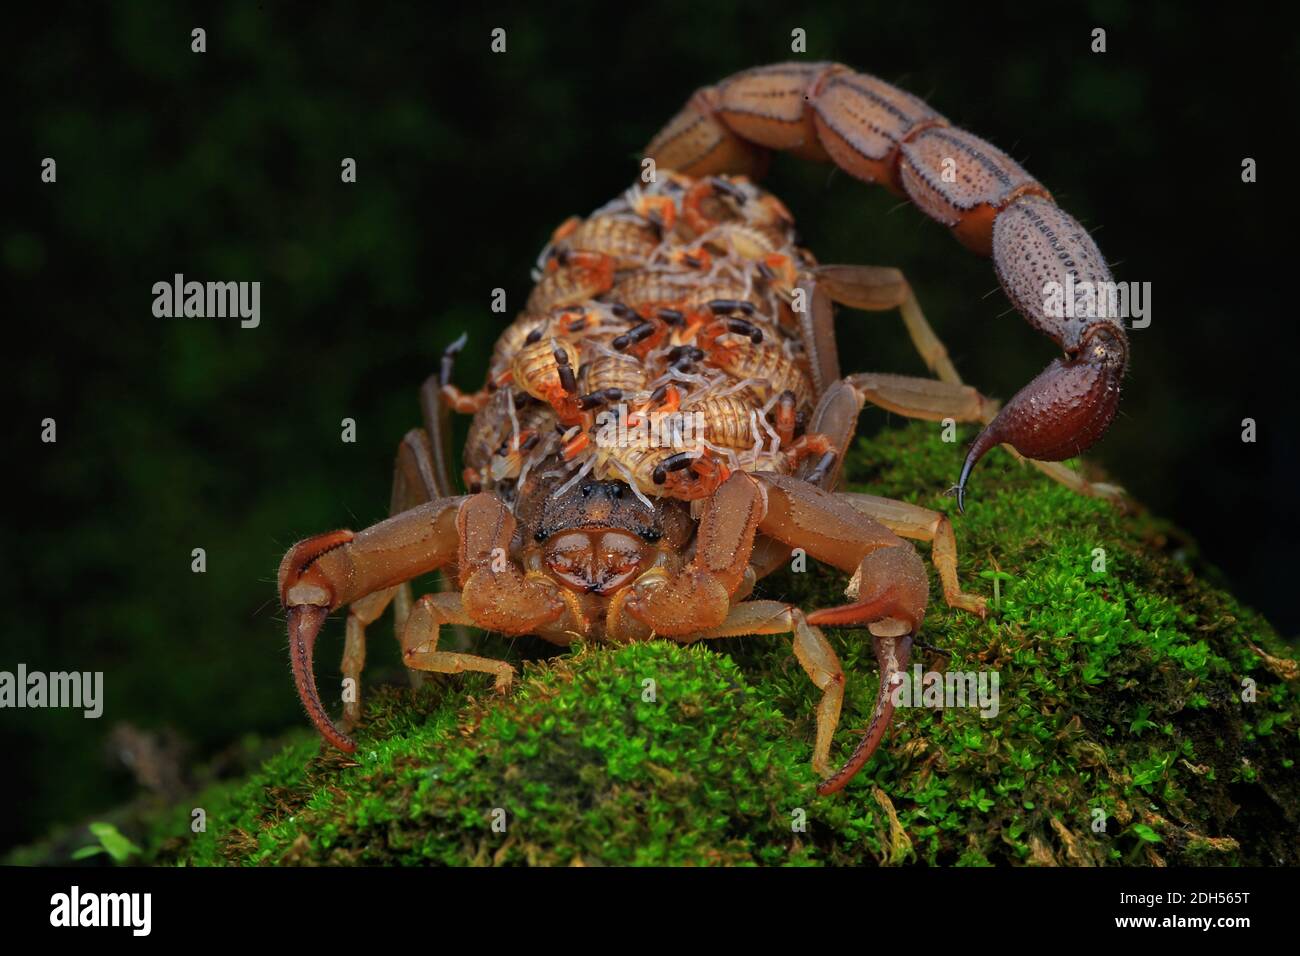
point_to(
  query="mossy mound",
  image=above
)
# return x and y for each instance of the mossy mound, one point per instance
(583, 763)
(1145, 717)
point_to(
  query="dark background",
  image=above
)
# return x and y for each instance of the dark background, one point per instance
(175, 434)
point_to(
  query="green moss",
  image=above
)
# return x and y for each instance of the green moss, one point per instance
(586, 761)
(1122, 734)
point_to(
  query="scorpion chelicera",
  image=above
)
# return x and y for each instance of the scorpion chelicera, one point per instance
(686, 302)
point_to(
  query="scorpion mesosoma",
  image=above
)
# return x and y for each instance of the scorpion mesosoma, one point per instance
(688, 296)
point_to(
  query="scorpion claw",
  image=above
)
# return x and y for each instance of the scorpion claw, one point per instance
(892, 653)
(305, 622)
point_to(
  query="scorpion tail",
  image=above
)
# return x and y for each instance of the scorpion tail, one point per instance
(1063, 411)
(1048, 265)
(1071, 403)
(893, 654)
(305, 622)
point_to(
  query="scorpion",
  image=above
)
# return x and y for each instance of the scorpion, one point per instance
(687, 299)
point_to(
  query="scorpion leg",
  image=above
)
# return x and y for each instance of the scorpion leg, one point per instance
(420, 641)
(836, 418)
(768, 555)
(870, 289)
(811, 649)
(925, 398)
(440, 468)
(360, 614)
(922, 524)
(437, 426)
(413, 484)
(888, 591)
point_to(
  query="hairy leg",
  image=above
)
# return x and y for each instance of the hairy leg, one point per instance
(414, 484)
(922, 524)
(420, 641)
(811, 649)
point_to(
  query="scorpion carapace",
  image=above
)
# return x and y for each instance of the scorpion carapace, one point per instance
(666, 419)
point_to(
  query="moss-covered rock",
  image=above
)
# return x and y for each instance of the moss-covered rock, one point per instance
(1144, 717)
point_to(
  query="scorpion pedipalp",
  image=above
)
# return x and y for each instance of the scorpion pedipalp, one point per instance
(325, 572)
(305, 622)
(307, 595)
(892, 654)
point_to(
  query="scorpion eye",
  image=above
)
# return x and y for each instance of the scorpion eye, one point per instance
(541, 534)
(651, 535)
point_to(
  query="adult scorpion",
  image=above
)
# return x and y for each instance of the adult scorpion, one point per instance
(687, 296)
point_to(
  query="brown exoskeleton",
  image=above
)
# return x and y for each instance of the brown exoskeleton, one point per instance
(687, 301)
